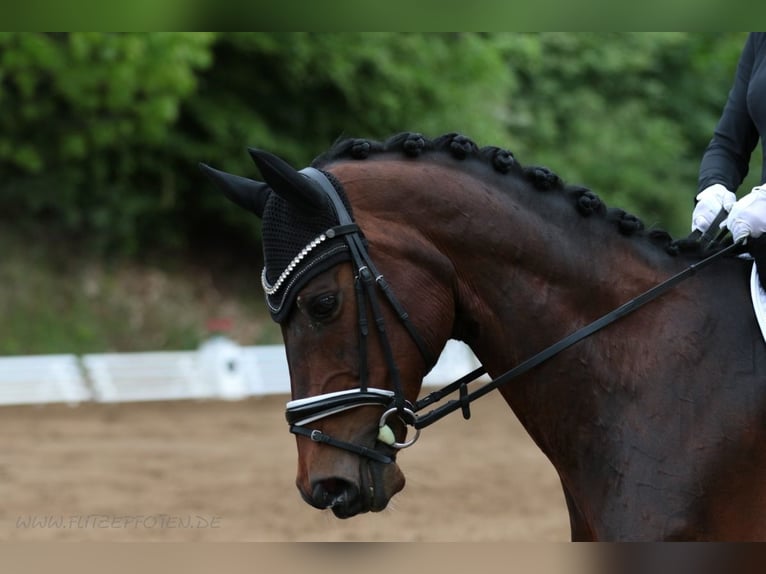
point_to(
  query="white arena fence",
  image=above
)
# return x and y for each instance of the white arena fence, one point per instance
(219, 369)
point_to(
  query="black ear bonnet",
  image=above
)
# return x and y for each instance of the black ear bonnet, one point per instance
(297, 247)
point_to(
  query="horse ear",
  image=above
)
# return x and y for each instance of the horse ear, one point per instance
(246, 193)
(287, 182)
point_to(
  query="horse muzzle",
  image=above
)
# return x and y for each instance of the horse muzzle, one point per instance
(371, 491)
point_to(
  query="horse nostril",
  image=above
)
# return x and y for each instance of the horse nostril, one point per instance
(336, 493)
(330, 491)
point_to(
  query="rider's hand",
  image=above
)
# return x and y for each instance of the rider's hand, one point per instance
(747, 217)
(709, 203)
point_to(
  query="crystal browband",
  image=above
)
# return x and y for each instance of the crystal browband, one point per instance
(329, 234)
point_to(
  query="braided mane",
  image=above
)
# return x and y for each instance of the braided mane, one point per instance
(460, 147)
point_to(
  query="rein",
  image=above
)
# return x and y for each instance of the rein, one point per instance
(460, 385)
(301, 412)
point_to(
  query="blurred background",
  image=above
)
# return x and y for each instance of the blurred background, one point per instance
(110, 240)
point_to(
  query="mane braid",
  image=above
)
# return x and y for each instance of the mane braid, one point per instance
(460, 148)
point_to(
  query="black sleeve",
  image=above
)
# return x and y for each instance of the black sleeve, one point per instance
(727, 157)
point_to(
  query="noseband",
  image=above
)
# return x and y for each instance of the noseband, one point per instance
(367, 282)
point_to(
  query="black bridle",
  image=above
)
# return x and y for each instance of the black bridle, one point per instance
(368, 281)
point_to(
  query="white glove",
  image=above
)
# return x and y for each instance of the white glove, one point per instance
(709, 203)
(748, 216)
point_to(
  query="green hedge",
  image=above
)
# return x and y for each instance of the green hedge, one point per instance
(100, 134)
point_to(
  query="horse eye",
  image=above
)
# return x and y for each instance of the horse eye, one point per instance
(322, 307)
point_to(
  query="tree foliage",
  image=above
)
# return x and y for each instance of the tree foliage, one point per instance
(627, 114)
(84, 117)
(100, 134)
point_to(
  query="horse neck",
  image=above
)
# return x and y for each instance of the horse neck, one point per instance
(526, 268)
(529, 269)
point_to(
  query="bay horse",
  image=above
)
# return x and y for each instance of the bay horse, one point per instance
(380, 252)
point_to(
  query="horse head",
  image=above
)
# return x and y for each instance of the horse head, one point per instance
(341, 280)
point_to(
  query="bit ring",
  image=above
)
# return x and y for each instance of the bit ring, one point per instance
(411, 415)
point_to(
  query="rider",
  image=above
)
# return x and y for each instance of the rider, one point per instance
(725, 161)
